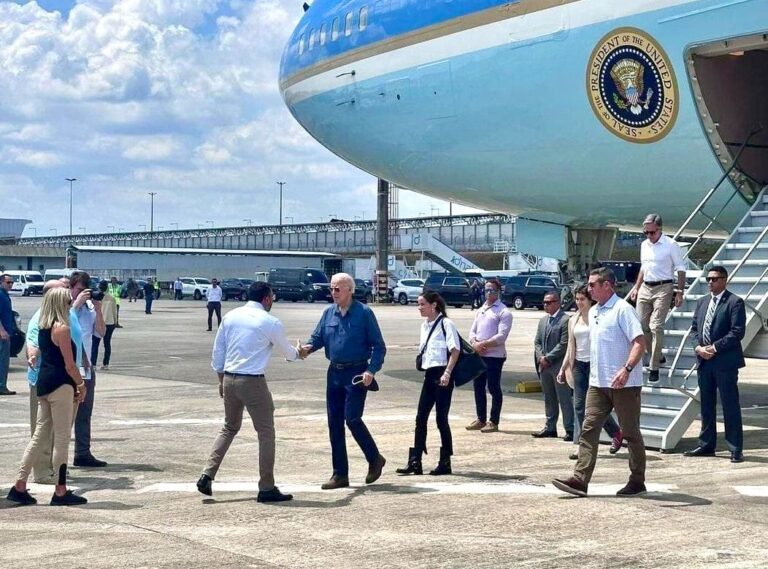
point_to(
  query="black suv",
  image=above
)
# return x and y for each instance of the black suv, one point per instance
(300, 284)
(363, 291)
(523, 291)
(453, 288)
(235, 288)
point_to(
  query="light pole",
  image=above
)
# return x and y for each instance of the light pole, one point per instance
(152, 212)
(209, 221)
(281, 184)
(143, 225)
(83, 228)
(248, 222)
(33, 228)
(433, 209)
(55, 231)
(176, 224)
(287, 217)
(71, 181)
(111, 228)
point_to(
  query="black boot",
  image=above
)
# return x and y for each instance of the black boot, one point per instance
(444, 465)
(414, 463)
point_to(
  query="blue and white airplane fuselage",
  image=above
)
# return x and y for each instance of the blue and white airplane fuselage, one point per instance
(581, 112)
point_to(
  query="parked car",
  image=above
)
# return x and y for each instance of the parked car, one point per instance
(407, 290)
(363, 291)
(194, 286)
(300, 284)
(26, 283)
(523, 291)
(453, 288)
(235, 288)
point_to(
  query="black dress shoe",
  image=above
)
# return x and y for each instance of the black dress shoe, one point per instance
(699, 451)
(737, 456)
(336, 482)
(204, 485)
(568, 437)
(89, 462)
(22, 498)
(544, 433)
(273, 495)
(653, 376)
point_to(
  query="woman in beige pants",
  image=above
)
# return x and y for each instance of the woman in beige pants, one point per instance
(60, 388)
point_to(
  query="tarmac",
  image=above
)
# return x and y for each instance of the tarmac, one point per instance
(157, 413)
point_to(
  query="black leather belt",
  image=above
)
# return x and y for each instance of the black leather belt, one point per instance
(347, 365)
(230, 374)
(657, 283)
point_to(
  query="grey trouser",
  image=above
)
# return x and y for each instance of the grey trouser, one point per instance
(600, 402)
(41, 468)
(252, 393)
(653, 303)
(54, 420)
(83, 419)
(557, 396)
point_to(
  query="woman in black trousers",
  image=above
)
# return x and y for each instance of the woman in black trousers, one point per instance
(439, 348)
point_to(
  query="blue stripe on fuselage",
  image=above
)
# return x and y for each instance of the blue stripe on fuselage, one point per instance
(386, 19)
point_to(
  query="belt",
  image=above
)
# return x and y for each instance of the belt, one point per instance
(657, 283)
(347, 365)
(230, 374)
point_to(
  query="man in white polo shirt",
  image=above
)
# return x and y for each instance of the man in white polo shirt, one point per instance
(617, 344)
(661, 258)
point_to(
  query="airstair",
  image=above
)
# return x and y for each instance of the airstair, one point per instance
(435, 250)
(672, 404)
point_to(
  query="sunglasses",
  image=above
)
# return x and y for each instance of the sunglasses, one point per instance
(710, 279)
(549, 302)
(336, 289)
(491, 291)
(651, 232)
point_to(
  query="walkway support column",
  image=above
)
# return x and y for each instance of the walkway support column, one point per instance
(382, 241)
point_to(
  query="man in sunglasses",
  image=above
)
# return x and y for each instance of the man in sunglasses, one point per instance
(663, 265)
(718, 328)
(7, 329)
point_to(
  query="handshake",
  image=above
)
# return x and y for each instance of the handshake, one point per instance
(303, 349)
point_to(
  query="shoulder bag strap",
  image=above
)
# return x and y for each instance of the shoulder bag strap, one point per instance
(438, 321)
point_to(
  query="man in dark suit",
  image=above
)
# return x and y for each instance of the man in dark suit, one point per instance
(550, 345)
(718, 328)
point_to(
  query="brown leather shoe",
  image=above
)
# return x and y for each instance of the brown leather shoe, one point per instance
(476, 425)
(335, 482)
(571, 486)
(374, 469)
(632, 489)
(490, 427)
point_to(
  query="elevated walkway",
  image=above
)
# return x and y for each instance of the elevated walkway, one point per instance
(437, 251)
(672, 404)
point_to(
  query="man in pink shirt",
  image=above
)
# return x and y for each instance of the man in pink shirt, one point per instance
(488, 335)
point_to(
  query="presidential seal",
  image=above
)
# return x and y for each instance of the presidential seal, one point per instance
(632, 87)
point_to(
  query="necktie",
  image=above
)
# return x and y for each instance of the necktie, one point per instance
(708, 320)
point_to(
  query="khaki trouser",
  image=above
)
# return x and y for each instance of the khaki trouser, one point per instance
(653, 304)
(55, 415)
(600, 402)
(41, 468)
(251, 393)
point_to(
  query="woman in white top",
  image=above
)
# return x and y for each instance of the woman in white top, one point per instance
(575, 370)
(439, 346)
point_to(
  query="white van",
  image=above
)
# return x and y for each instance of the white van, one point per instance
(54, 274)
(26, 283)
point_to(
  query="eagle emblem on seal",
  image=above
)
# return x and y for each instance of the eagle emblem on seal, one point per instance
(627, 75)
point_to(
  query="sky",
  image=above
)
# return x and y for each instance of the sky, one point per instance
(177, 97)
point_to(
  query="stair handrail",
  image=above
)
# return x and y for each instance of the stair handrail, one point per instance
(763, 319)
(679, 353)
(756, 129)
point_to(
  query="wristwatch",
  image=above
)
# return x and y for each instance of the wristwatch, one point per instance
(628, 367)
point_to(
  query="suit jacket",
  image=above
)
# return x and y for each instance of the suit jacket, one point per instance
(553, 342)
(725, 333)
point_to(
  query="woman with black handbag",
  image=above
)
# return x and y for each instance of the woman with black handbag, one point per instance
(438, 353)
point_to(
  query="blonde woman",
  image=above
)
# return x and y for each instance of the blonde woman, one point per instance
(60, 389)
(575, 370)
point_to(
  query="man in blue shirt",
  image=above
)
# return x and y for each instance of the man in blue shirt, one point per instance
(353, 344)
(7, 330)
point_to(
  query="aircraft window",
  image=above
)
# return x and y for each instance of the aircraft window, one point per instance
(363, 18)
(348, 24)
(335, 29)
(301, 44)
(322, 34)
(312, 38)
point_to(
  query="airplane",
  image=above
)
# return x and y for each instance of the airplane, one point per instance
(582, 113)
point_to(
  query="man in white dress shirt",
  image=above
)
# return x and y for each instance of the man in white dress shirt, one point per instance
(214, 294)
(661, 258)
(241, 351)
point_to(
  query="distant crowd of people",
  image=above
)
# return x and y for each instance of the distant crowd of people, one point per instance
(590, 366)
